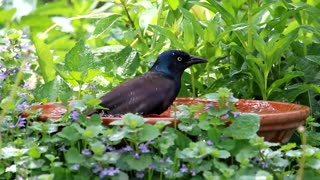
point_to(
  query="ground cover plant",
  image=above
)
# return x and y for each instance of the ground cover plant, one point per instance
(77, 50)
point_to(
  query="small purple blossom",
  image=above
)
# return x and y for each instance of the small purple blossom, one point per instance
(96, 168)
(136, 155)
(264, 164)
(92, 86)
(11, 125)
(208, 106)
(75, 115)
(27, 66)
(86, 152)
(225, 116)
(109, 172)
(127, 149)
(168, 160)
(140, 174)
(17, 56)
(143, 148)
(19, 178)
(3, 48)
(183, 169)
(63, 148)
(223, 137)
(22, 121)
(110, 148)
(3, 75)
(209, 142)
(193, 172)
(152, 166)
(75, 167)
(22, 106)
(235, 113)
(23, 95)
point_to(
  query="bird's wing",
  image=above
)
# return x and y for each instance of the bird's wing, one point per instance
(150, 93)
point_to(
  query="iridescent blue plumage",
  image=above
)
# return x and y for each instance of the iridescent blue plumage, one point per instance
(152, 92)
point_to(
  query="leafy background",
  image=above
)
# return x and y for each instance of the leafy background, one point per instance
(56, 50)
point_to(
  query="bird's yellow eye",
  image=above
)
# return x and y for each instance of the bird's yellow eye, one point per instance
(179, 58)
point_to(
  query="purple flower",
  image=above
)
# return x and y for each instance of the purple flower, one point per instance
(183, 169)
(19, 178)
(22, 106)
(75, 167)
(223, 137)
(22, 121)
(17, 56)
(63, 148)
(23, 95)
(208, 106)
(209, 142)
(3, 75)
(225, 116)
(235, 113)
(110, 148)
(143, 148)
(264, 164)
(86, 152)
(193, 172)
(104, 140)
(96, 168)
(11, 125)
(140, 174)
(152, 166)
(92, 86)
(136, 155)
(3, 48)
(168, 160)
(75, 115)
(127, 149)
(109, 172)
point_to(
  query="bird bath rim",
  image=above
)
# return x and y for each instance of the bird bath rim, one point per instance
(277, 122)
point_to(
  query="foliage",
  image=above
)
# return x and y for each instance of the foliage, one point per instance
(66, 50)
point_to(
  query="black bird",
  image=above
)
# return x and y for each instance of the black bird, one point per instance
(152, 92)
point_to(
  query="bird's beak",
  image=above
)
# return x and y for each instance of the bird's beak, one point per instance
(196, 60)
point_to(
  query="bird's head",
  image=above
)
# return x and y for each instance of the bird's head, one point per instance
(174, 62)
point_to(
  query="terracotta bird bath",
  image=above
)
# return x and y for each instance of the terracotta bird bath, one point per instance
(277, 124)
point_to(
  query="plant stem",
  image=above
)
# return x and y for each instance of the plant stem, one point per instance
(302, 132)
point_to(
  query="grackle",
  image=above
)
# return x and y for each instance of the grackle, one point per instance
(152, 92)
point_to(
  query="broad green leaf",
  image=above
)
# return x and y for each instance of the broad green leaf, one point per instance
(188, 35)
(79, 58)
(46, 63)
(104, 24)
(95, 120)
(34, 152)
(92, 131)
(173, 4)
(167, 33)
(195, 23)
(6, 15)
(49, 91)
(286, 79)
(148, 133)
(73, 156)
(70, 133)
(245, 126)
(139, 164)
(98, 147)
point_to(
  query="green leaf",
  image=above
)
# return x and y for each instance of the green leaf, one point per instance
(195, 23)
(286, 79)
(95, 120)
(6, 15)
(73, 156)
(79, 58)
(148, 133)
(173, 4)
(97, 147)
(139, 164)
(245, 126)
(34, 152)
(133, 121)
(104, 24)
(70, 133)
(46, 63)
(92, 131)
(167, 33)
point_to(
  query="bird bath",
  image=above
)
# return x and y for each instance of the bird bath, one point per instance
(278, 120)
